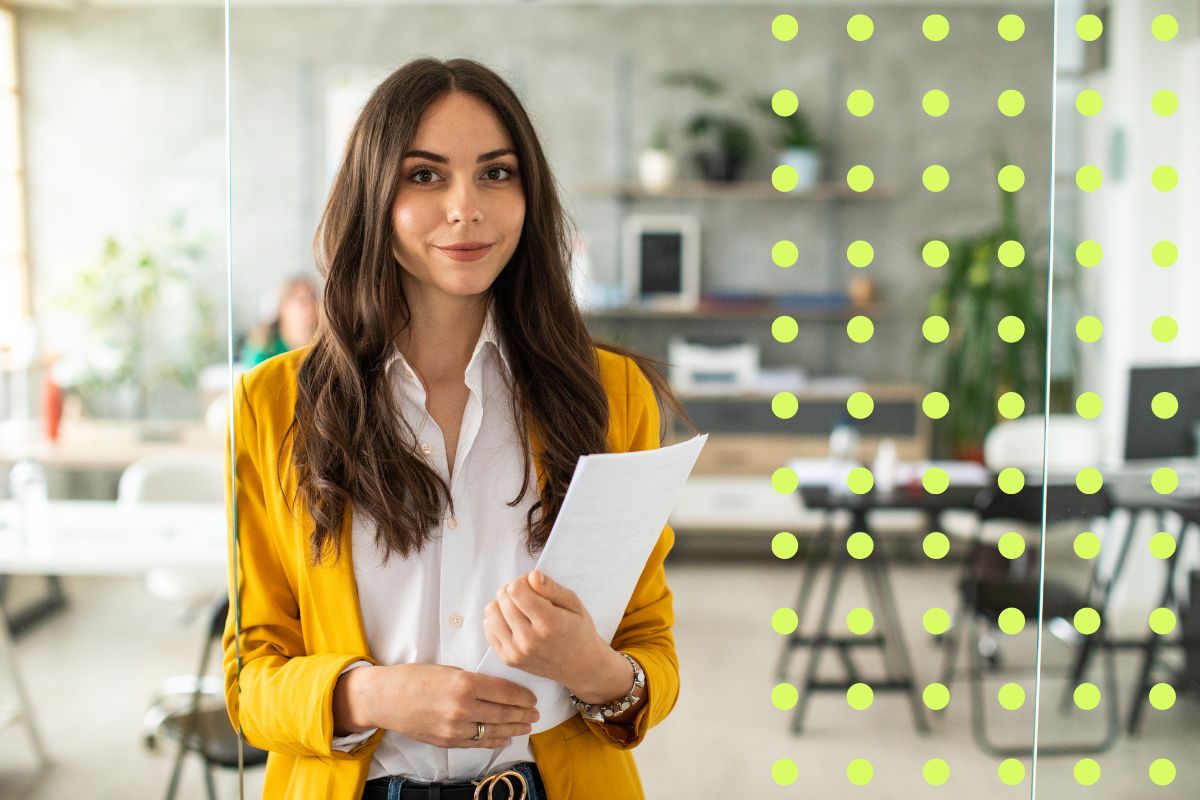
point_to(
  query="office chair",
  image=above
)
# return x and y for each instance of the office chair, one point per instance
(196, 719)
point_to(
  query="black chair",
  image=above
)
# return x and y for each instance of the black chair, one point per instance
(992, 584)
(195, 719)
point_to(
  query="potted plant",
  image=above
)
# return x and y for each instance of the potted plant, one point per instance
(796, 141)
(725, 143)
(656, 164)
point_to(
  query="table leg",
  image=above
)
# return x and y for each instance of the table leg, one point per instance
(822, 543)
(819, 638)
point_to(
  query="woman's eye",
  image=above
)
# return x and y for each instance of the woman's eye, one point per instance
(508, 173)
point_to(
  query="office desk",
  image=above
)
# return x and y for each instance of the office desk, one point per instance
(107, 444)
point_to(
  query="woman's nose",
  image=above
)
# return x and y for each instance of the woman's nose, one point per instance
(462, 203)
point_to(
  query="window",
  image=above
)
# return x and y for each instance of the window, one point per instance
(14, 283)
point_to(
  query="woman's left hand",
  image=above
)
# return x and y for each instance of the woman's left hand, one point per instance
(541, 627)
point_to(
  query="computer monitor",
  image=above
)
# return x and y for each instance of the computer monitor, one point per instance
(1147, 436)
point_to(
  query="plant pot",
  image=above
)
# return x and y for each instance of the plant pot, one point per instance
(807, 163)
(656, 170)
(719, 167)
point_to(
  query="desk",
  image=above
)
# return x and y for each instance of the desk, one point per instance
(108, 444)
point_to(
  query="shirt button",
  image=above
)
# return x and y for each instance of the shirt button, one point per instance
(451, 522)
(426, 448)
(456, 620)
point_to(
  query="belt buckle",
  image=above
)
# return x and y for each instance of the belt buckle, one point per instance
(492, 781)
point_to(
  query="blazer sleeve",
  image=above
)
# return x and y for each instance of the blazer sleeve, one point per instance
(279, 696)
(645, 630)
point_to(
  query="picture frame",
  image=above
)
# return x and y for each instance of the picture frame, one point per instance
(661, 260)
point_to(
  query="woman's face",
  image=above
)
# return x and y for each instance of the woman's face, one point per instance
(459, 184)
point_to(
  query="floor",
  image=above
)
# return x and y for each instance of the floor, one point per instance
(94, 668)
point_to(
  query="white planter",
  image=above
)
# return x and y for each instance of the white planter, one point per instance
(807, 163)
(656, 170)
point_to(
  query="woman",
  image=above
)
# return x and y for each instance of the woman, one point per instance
(294, 325)
(397, 479)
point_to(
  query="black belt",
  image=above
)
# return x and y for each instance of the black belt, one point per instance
(377, 788)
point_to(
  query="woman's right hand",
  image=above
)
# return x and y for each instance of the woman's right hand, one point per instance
(433, 703)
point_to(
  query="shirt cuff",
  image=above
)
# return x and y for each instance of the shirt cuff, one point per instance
(353, 740)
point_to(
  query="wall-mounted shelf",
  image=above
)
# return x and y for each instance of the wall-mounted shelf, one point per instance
(739, 190)
(704, 314)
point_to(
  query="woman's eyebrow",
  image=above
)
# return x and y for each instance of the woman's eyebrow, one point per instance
(503, 151)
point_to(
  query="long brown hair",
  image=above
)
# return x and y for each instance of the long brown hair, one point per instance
(349, 439)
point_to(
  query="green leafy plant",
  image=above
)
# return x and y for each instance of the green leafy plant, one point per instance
(795, 130)
(725, 142)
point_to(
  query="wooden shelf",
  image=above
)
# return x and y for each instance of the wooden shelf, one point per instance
(739, 190)
(702, 314)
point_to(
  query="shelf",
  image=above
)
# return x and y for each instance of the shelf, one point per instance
(739, 190)
(707, 314)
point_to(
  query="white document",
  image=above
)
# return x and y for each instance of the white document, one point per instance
(611, 518)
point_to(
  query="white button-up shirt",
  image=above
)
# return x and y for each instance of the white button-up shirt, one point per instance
(429, 608)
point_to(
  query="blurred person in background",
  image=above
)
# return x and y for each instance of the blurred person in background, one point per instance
(294, 324)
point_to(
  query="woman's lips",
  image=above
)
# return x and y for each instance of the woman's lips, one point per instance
(467, 255)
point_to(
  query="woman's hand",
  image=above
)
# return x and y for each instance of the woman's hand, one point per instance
(541, 627)
(433, 703)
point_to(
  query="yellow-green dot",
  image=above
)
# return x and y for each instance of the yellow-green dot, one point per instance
(1087, 545)
(860, 253)
(1088, 178)
(936, 621)
(860, 621)
(1087, 621)
(1164, 178)
(860, 329)
(1011, 621)
(784, 102)
(1011, 178)
(784, 27)
(785, 405)
(935, 405)
(1162, 621)
(936, 696)
(860, 545)
(860, 696)
(1164, 329)
(785, 480)
(1010, 405)
(1164, 27)
(1089, 329)
(935, 102)
(860, 480)
(785, 544)
(1089, 480)
(1164, 253)
(1162, 545)
(1011, 545)
(1011, 103)
(784, 329)
(935, 329)
(1011, 696)
(784, 178)
(860, 27)
(860, 772)
(935, 27)
(935, 253)
(1164, 103)
(784, 621)
(936, 772)
(784, 253)
(1089, 27)
(935, 480)
(1010, 480)
(1087, 696)
(1162, 696)
(785, 772)
(1088, 253)
(860, 178)
(1011, 329)
(1087, 771)
(1011, 253)
(860, 103)
(860, 405)
(1162, 771)
(784, 696)
(936, 545)
(1089, 102)
(1011, 772)
(1011, 27)
(1088, 405)
(935, 178)
(1164, 405)
(1164, 480)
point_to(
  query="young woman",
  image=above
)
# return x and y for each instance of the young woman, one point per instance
(396, 480)
(294, 324)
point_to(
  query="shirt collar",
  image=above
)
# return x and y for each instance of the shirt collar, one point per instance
(489, 334)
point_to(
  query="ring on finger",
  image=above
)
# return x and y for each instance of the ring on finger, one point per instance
(479, 729)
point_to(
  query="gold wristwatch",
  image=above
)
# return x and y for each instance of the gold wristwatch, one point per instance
(601, 713)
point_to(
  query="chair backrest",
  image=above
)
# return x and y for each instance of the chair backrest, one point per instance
(174, 478)
(1072, 443)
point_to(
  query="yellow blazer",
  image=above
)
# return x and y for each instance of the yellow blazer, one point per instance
(301, 625)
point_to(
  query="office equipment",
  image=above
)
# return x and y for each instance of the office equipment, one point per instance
(712, 366)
